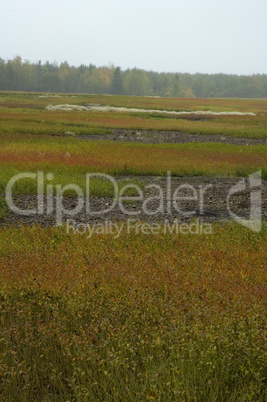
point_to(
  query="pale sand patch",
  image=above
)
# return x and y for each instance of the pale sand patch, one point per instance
(90, 107)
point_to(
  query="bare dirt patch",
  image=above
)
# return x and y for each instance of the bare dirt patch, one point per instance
(170, 137)
(214, 204)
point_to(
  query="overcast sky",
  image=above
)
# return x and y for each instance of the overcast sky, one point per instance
(206, 36)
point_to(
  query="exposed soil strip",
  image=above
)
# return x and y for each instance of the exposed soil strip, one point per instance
(171, 137)
(214, 206)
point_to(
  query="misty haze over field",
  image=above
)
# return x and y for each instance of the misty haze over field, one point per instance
(164, 36)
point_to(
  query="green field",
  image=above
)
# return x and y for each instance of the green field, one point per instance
(134, 318)
(25, 113)
(165, 316)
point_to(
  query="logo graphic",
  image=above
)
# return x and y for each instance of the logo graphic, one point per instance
(254, 222)
(169, 201)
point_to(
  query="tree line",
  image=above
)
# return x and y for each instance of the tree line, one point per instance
(19, 75)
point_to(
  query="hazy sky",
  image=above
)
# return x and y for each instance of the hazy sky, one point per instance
(206, 36)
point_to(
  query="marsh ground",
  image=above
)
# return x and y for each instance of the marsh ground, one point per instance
(135, 317)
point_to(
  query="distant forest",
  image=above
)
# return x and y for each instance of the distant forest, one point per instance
(19, 75)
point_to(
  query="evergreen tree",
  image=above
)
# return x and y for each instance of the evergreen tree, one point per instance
(117, 82)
